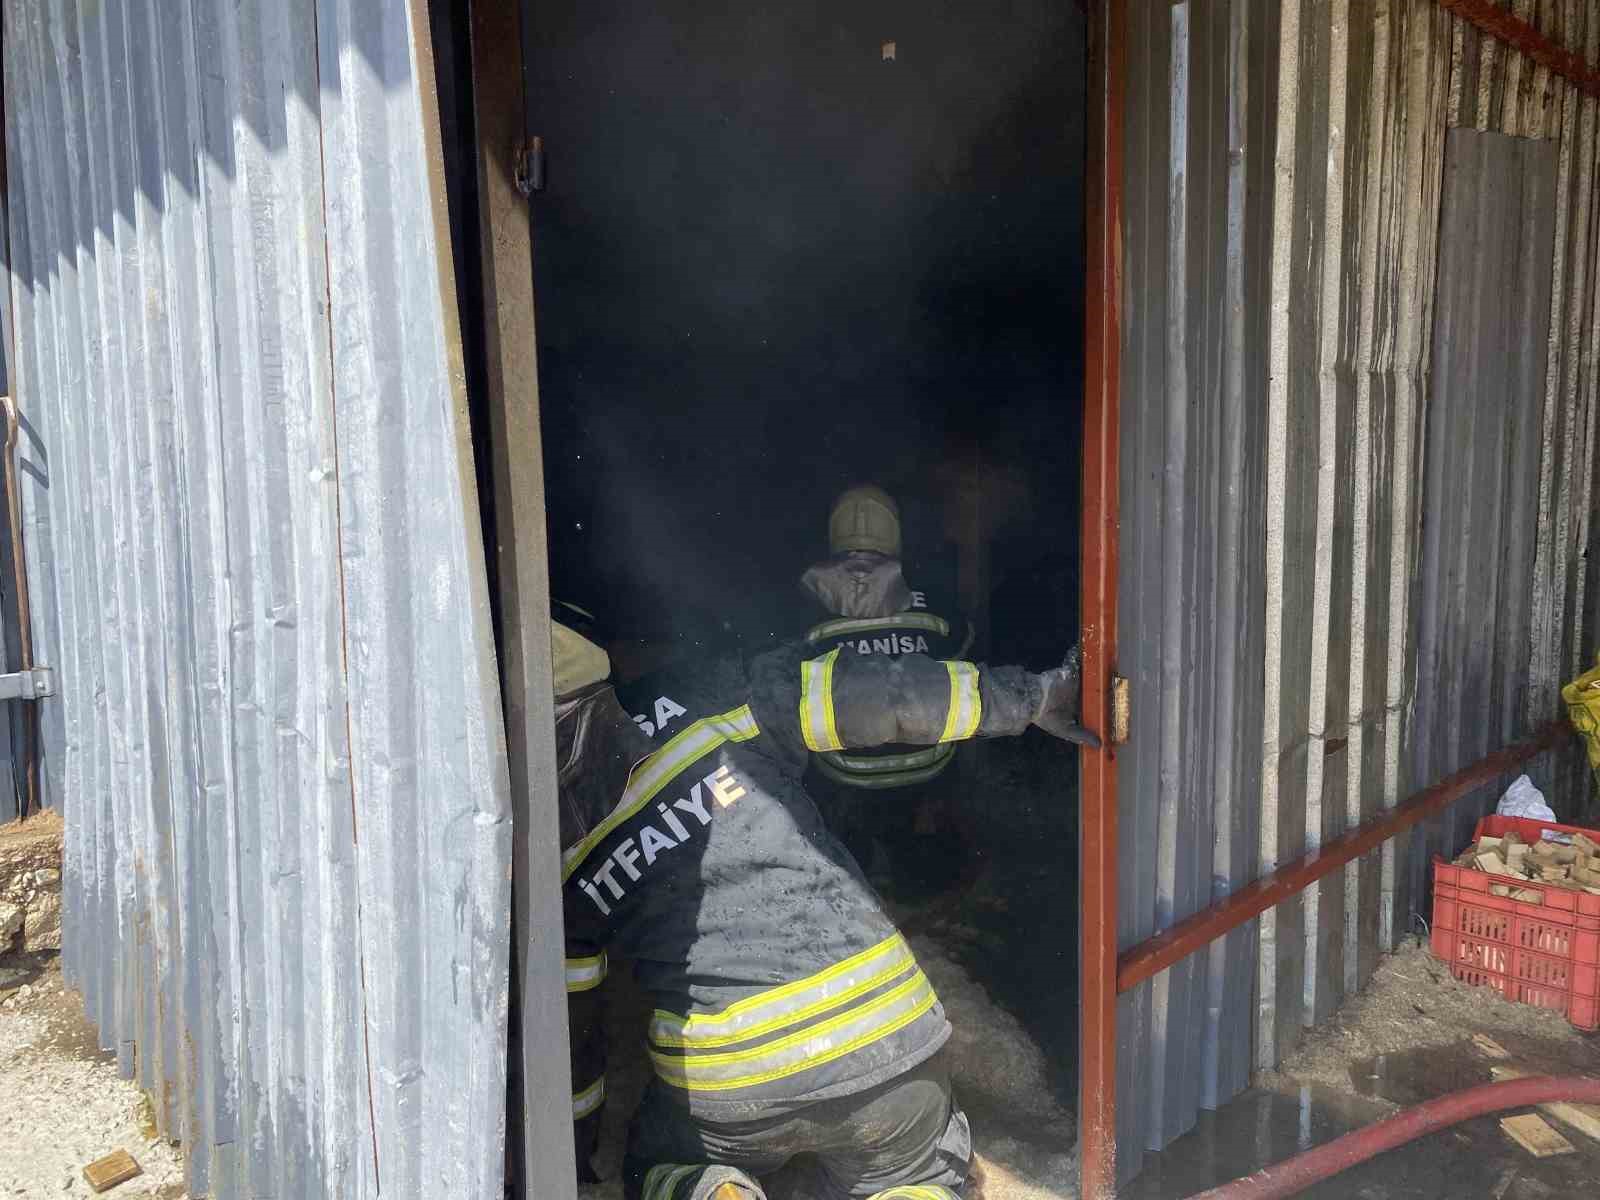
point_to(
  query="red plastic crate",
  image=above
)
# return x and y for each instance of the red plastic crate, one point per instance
(1542, 954)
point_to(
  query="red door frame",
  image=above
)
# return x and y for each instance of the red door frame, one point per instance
(1097, 818)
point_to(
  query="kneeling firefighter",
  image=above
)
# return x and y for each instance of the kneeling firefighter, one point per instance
(794, 1037)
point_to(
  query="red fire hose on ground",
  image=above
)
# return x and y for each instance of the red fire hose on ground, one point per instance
(1295, 1174)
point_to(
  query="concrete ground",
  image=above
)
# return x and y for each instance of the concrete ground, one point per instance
(62, 1103)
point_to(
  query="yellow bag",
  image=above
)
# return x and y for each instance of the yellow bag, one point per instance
(1582, 698)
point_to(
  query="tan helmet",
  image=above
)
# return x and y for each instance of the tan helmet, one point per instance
(865, 518)
(578, 661)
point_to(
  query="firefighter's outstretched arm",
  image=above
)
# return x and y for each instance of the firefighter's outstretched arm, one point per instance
(852, 701)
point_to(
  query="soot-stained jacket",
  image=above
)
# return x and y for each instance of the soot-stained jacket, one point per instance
(690, 848)
(871, 608)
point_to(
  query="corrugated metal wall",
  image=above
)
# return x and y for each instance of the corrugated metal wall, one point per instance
(1193, 437)
(1282, 196)
(1474, 601)
(11, 716)
(253, 543)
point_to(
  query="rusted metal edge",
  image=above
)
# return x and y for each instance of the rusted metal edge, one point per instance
(1097, 819)
(1194, 933)
(1504, 25)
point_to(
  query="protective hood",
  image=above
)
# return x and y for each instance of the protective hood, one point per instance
(859, 584)
(597, 747)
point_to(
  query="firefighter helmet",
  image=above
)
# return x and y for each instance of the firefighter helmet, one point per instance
(865, 518)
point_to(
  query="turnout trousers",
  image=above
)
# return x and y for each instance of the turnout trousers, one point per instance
(905, 1139)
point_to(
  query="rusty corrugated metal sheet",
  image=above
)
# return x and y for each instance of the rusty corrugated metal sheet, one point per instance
(253, 541)
(1304, 302)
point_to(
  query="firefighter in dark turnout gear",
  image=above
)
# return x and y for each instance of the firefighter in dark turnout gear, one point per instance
(868, 604)
(791, 1017)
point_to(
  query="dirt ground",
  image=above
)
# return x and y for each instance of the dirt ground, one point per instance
(1413, 1035)
(62, 1103)
(1409, 1036)
(1412, 1006)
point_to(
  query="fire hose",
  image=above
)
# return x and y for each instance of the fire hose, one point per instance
(1323, 1162)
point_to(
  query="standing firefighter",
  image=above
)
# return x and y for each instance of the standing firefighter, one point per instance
(794, 1036)
(871, 608)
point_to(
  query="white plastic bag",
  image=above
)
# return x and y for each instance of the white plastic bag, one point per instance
(1522, 799)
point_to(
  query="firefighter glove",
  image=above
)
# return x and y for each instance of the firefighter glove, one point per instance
(1059, 693)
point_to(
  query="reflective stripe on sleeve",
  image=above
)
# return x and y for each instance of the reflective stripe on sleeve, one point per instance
(589, 1100)
(584, 974)
(966, 704)
(917, 1191)
(816, 703)
(659, 769)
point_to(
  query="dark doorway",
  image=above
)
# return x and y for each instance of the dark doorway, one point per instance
(784, 248)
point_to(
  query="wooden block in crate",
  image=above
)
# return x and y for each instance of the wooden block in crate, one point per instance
(1492, 864)
(1554, 852)
(1585, 877)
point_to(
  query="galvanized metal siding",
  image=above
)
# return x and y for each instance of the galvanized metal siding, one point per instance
(1480, 521)
(1192, 541)
(253, 543)
(11, 728)
(1288, 322)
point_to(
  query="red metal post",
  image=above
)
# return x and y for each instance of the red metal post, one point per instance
(1097, 820)
(1204, 927)
(1504, 24)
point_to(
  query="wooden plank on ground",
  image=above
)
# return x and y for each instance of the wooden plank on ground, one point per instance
(106, 1173)
(1490, 1048)
(1534, 1134)
(1585, 1118)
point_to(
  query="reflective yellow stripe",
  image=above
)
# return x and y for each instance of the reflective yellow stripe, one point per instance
(670, 1029)
(589, 1100)
(884, 780)
(789, 1004)
(926, 622)
(966, 704)
(801, 1051)
(816, 703)
(585, 974)
(930, 1191)
(661, 1181)
(658, 770)
(885, 764)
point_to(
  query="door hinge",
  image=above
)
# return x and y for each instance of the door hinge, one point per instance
(528, 166)
(34, 684)
(1121, 709)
